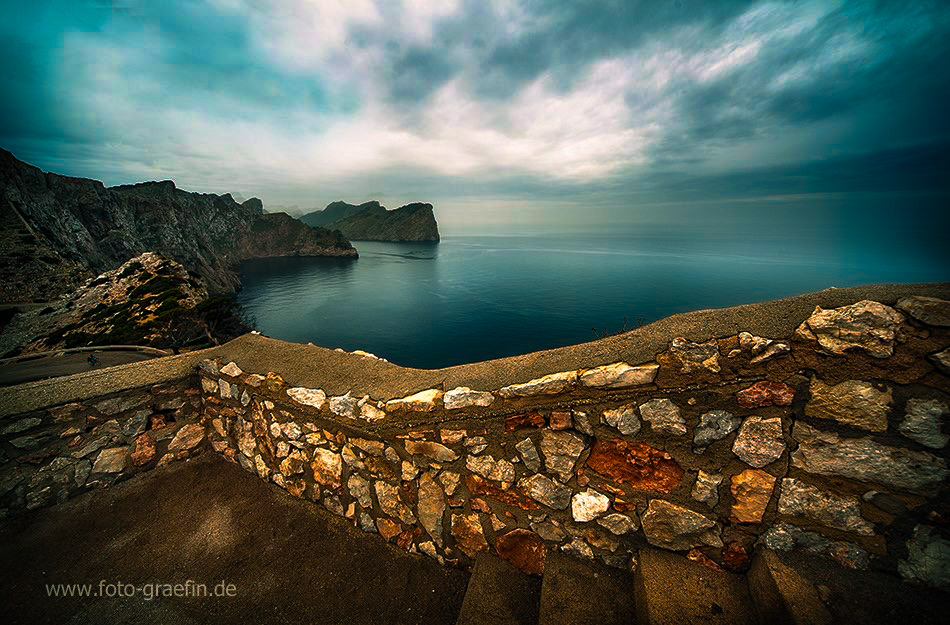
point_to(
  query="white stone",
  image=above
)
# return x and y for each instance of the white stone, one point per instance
(308, 396)
(369, 412)
(547, 385)
(619, 375)
(624, 419)
(587, 505)
(423, 401)
(462, 397)
(231, 369)
(664, 417)
(344, 406)
(224, 389)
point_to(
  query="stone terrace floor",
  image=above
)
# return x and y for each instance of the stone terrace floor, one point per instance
(207, 520)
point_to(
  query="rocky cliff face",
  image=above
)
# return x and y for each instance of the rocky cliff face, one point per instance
(88, 228)
(373, 222)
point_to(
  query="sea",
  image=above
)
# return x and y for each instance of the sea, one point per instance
(479, 296)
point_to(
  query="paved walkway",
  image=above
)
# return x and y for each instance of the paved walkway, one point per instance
(207, 520)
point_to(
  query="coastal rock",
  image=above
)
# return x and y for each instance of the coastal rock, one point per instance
(618, 523)
(432, 450)
(345, 406)
(468, 533)
(923, 421)
(766, 393)
(673, 527)
(231, 370)
(639, 465)
(760, 441)
(187, 437)
(868, 326)
(751, 492)
(423, 401)
(546, 491)
(664, 417)
(706, 488)
(930, 310)
(371, 221)
(561, 450)
(866, 460)
(799, 499)
(308, 396)
(388, 497)
(522, 549)
(713, 426)
(852, 402)
(928, 559)
(548, 385)
(464, 397)
(529, 455)
(619, 375)
(695, 356)
(587, 505)
(111, 460)
(327, 468)
(430, 507)
(496, 470)
(624, 419)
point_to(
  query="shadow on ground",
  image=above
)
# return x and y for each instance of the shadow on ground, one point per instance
(207, 520)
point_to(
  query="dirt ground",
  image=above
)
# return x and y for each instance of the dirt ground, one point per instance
(283, 560)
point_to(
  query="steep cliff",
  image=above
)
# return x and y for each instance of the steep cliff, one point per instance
(372, 222)
(83, 228)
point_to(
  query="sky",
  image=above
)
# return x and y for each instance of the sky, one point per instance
(500, 113)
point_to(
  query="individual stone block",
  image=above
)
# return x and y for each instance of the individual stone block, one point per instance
(587, 505)
(560, 420)
(941, 360)
(345, 406)
(695, 356)
(468, 533)
(786, 537)
(492, 469)
(852, 402)
(664, 417)
(423, 401)
(866, 460)
(523, 549)
(674, 527)
(928, 559)
(706, 488)
(187, 437)
(637, 464)
(751, 492)
(548, 385)
(799, 499)
(618, 523)
(561, 450)
(930, 310)
(210, 386)
(231, 369)
(369, 412)
(923, 421)
(327, 468)
(761, 349)
(464, 397)
(579, 549)
(760, 441)
(359, 488)
(624, 419)
(867, 326)
(619, 375)
(529, 455)
(713, 426)
(388, 497)
(475, 444)
(431, 507)
(766, 393)
(432, 450)
(111, 460)
(527, 419)
(546, 491)
(313, 397)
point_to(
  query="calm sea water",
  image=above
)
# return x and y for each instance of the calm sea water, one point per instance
(472, 298)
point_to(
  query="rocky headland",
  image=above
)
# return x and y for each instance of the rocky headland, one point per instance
(58, 231)
(371, 221)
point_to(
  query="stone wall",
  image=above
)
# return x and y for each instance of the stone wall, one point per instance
(831, 439)
(53, 454)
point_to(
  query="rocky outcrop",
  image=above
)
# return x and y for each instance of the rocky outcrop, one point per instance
(373, 222)
(90, 228)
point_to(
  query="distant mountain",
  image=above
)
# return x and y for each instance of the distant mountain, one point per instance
(371, 221)
(57, 231)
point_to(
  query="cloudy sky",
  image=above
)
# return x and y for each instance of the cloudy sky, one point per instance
(496, 111)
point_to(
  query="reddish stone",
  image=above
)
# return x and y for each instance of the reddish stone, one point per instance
(230, 454)
(452, 437)
(408, 493)
(455, 502)
(639, 465)
(387, 528)
(144, 449)
(76, 441)
(341, 438)
(610, 488)
(766, 393)
(158, 422)
(699, 557)
(468, 533)
(561, 420)
(523, 549)
(480, 486)
(735, 556)
(751, 490)
(623, 506)
(528, 419)
(404, 540)
(480, 505)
